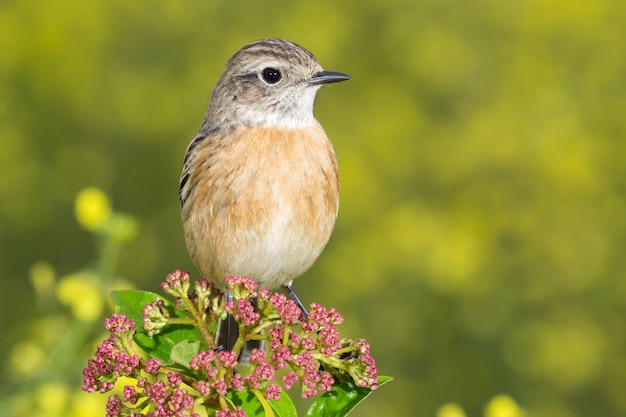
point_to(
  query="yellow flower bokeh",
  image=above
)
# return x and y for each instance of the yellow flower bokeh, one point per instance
(451, 410)
(52, 398)
(26, 358)
(503, 406)
(80, 292)
(42, 277)
(92, 209)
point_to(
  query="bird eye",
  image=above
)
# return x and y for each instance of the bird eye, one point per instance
(271, 75)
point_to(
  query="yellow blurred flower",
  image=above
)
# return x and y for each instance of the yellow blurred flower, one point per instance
(52, 398)
(42, 277)
(92, 208)
(26, 358)
(123, 228)
(87, 405)
(450, 410)
(82, 294)
(503, 406)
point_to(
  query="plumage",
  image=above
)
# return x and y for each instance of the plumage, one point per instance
(259, 187)
(262, 205)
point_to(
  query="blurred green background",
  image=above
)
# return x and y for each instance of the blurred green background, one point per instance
(481, 238)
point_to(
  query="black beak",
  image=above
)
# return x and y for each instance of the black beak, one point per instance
(327, 77)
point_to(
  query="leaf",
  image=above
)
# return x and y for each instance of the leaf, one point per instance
(268, 410)
(284, 407)
(183, 352)
(255, 404)
(342, 399)
(132, 302)
(247, 401)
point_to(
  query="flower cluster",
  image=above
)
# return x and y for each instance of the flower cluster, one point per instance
(112, 360)
(161, 398)
(302, 349)
(160, 394)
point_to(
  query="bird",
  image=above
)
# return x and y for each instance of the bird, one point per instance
(259, 186)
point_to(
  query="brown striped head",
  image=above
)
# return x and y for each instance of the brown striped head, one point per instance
(268, 83)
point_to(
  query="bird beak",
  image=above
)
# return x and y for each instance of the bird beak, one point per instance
(327, 77)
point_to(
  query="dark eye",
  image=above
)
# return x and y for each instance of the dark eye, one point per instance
(271, 75)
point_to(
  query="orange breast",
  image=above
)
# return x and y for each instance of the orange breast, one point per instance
(262, 203)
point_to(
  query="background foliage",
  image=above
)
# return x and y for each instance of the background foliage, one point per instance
(480, 242)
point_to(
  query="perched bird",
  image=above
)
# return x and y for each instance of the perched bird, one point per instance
(259, 188)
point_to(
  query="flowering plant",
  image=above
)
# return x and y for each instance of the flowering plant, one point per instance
(168, 351)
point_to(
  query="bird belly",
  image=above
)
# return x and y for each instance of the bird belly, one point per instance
(264, 206)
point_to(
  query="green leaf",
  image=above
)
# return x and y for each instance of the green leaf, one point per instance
(268, 410)
(247, 401)
(132, 302)
(284, 407)
(183, 352)
(342, 399)
(255, 404)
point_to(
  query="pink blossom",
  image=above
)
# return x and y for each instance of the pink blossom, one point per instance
(203, 361)
(287, 309)
(236, 383)
(228, 359)
(204, 388)
(173, 379)
(114, 406)
(153, 366)
(290, 379)
(176, 283)
(244, 285)
(225, 412)
(243, 310)
(273, 392)
(130, 394)
(157, 392)
(181, 400)
(220, 386)
(119, 325)
(281, 357)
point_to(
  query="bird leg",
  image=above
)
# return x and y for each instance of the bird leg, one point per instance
(289, 290)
